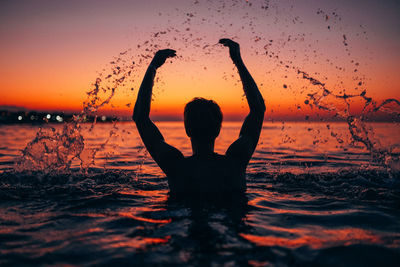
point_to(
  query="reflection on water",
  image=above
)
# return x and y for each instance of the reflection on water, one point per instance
(311, 200)
(288, 147)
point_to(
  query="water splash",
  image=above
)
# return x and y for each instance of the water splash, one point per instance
(360, 132)
(255, 17)
(53, 151)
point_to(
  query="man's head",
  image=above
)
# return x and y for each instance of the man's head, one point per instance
(203, 119)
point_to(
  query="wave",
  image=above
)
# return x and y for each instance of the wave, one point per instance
(371, 185)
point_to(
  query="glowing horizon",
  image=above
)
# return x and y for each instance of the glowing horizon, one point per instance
(53, 52)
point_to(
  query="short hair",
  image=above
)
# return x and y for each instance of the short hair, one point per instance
(202, 118)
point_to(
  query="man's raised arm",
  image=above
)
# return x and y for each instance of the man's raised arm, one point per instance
(244, 147)
(164, 154)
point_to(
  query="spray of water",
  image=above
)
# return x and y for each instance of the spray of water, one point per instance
(360, 132)
(55, 150)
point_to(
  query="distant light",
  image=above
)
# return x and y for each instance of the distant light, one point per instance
(59, 118)
(103, 118)
(19, 118)
(32, 117)
(48, 116)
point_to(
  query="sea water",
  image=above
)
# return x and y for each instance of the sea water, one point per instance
(309, 201)
(318, 193)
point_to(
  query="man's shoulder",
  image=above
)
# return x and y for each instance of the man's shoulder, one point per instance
(214, 155)
(216, 158)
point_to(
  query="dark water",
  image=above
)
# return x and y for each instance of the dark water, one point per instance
(319, 194)
(307, 204)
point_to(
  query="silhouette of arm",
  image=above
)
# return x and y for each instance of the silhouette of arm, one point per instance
(243, 148)
(166, 156)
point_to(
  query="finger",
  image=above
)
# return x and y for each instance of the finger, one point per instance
(169, 52)
(227, 42)
(224, 41)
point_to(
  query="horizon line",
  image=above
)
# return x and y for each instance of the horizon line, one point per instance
(228, 117)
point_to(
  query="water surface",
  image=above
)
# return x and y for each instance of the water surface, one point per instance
(312, 199)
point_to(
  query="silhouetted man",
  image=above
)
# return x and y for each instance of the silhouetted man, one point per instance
(204, 171)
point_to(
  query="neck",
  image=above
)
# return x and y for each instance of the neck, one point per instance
(200, 147)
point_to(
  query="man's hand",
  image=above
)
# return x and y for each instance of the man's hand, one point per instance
(234, 49)
(161, 56)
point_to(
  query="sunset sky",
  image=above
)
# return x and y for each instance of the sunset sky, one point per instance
(51, 52)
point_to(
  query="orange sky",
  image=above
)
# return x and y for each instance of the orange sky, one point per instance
(52, 52)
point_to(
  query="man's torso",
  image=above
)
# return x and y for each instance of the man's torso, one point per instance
(209, 174)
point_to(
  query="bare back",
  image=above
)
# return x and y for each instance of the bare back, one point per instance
(208, 174)
(205, 171)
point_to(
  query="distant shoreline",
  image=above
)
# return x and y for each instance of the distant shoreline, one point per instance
(40, 117)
